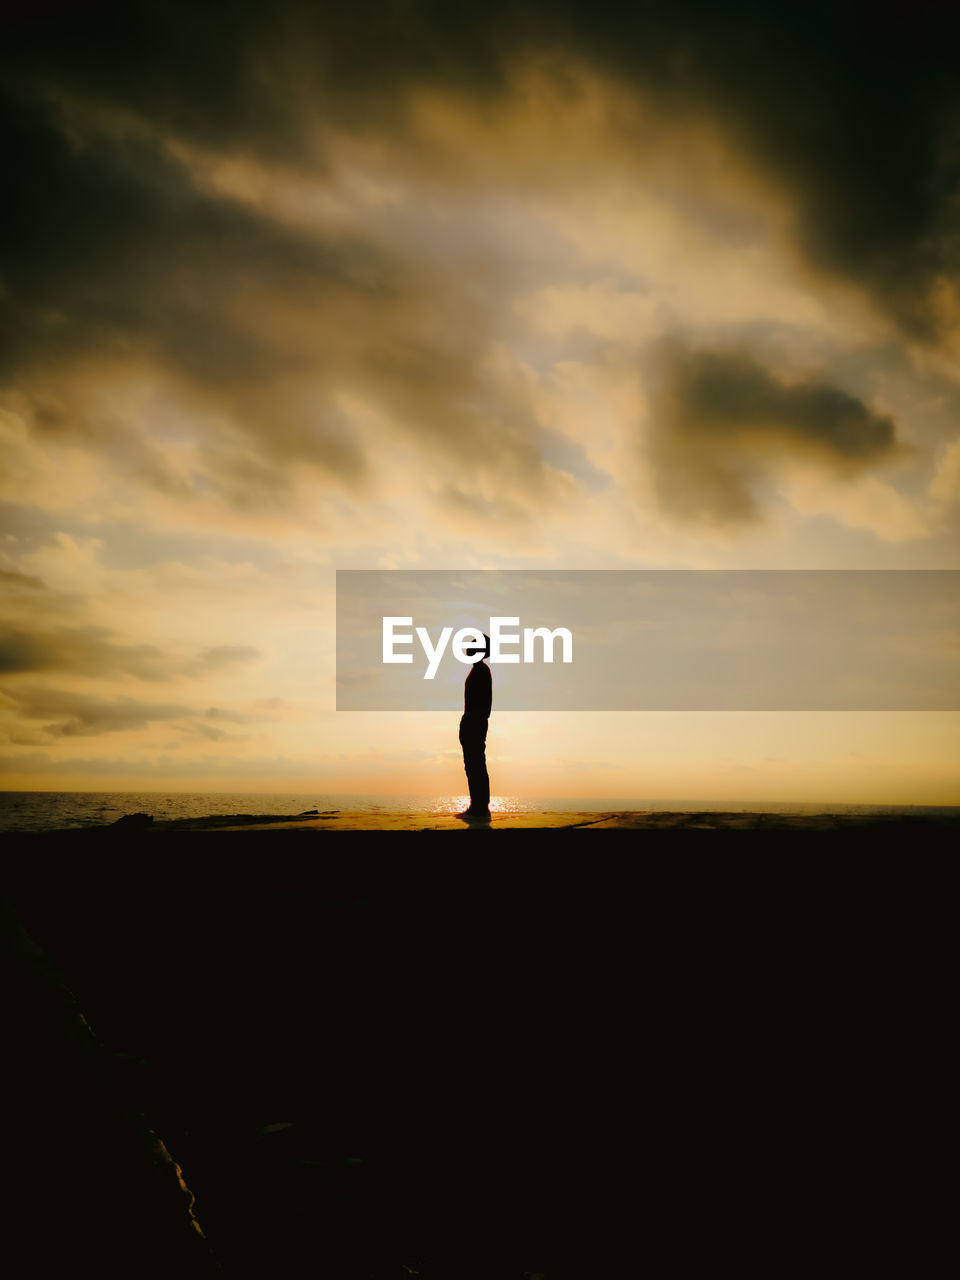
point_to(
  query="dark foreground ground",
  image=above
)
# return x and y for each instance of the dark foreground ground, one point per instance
(389, 1055)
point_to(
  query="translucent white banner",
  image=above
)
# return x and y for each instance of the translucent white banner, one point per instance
(665, 640)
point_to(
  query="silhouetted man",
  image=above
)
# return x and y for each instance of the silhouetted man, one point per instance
(477, 700)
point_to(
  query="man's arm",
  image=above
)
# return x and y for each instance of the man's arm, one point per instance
(478, 691)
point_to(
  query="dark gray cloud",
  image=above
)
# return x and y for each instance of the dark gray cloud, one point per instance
(74, 715)
(854, 110)
(13, 580)
(115, 258)
(219, 73)
(40, 715)
(89, 650)
(720, 424)
(112, 255)
(84, 650)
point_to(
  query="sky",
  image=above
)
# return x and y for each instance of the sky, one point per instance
(295, 287)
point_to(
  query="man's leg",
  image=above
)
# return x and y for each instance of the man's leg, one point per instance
(475, 767)
(481, 784)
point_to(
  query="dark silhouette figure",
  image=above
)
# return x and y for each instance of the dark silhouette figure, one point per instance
(477, 700)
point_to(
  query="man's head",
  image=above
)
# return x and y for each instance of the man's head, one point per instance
(478, 654)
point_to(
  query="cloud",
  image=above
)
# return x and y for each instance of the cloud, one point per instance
(855, 120)
(271, 355)
(13, 580)
(71, 715)
(91, 650)
(68, 714)
(945, 485)
(215, 212)
(221, 713)
(721, 424)
(85, 650)
(222, 656)
(866, 503)
(116, 261)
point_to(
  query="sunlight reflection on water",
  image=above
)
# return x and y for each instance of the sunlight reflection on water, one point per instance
(451, 805)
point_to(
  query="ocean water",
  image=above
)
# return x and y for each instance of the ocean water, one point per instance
(57, 810)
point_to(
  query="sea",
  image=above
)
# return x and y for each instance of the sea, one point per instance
(61, 810)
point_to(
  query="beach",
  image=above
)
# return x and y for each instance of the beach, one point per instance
(397, 818)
